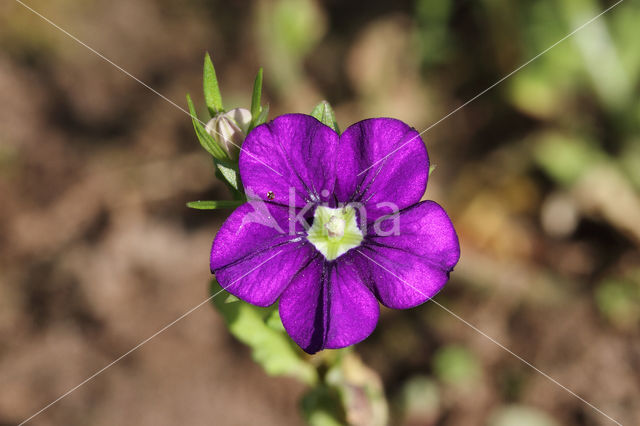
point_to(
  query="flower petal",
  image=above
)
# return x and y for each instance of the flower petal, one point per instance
(407, 269)
(254, 255)
(328, 307)
(293, 151)
(393, 158)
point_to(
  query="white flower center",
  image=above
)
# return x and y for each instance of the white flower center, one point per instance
(334, 231)
(335, 227)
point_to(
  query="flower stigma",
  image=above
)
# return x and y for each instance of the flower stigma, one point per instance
(335, 227)
(334, 231)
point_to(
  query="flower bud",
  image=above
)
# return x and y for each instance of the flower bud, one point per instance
(229, 129)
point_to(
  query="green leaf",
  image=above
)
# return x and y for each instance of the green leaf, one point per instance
(262, 118)
(230, 173)
(206, 140)
(212, 95)
(270, 347)
(324, 113)
(432, 168)
(256, 108)
(213, 205)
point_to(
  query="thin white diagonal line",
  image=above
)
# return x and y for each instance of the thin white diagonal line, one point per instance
(127, 73)
(497, 343)
(163, 329)
(495, 84)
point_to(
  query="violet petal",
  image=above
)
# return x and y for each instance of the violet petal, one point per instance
(327, 306)
(400, 178)
(406, 270)
(253, 257)
(293, 151)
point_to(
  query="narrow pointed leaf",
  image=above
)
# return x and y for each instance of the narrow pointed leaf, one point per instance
(262, 118)
(212, 95)
(324, 113)
(213, 205)
(257, 95)
(207, 142)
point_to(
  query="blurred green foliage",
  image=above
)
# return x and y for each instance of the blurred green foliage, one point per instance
(619, 301)
(565, 158)
(520, 415)
(287, 30)
(420, 399)
(456, 365)
(261, 330)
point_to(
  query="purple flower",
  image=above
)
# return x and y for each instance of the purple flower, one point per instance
(328, 239)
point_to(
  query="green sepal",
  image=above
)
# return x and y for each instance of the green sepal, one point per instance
(256, 98)
(324, 113)
(231, 298)
(270, 347)
(206, 140)
(212, 95)
(228, 172)
(273, 320)
(432, 168)
(213, 205)
(262, 117)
